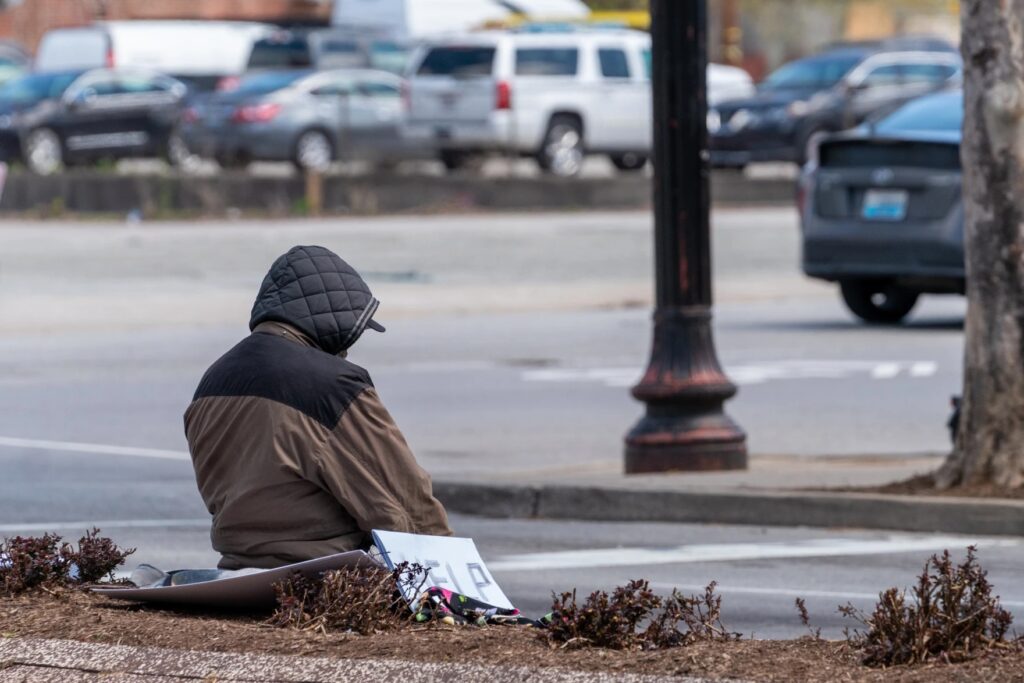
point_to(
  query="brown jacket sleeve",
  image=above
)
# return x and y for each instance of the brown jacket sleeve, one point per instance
(367, 465)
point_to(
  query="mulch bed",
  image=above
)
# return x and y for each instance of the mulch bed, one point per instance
(77, 616)
(924, 485)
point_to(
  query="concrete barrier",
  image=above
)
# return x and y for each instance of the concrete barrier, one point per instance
(170, 195)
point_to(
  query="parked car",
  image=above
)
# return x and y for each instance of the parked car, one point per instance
(555, 96)
(310, 118)
(199, 53)
(327, 49)
(14, 61)
(882, 211)
(826, 93)
(54, 119)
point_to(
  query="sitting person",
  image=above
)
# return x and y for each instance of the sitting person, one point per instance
(294, 453)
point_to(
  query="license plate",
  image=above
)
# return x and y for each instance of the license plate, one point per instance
(885, 205)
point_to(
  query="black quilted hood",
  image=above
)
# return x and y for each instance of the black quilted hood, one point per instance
(314, 290)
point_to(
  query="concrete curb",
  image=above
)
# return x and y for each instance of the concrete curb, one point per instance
(66, 661)
(168, 195)
(767, 508)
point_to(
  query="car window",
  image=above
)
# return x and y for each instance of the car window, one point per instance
(928, 73)
(272, 53)
(815, 72)
(106, 85)
(37, 87)
(258, 84)
(131, 83)
(943, 112)
(613, 63)
(547, 61)
(890, 74)
(460, 62)
(336, 88)
(378, 89)
(647, 63)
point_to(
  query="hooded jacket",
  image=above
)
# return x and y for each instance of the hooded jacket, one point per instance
(294, 453)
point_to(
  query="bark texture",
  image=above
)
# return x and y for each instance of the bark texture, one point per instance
(990, 447)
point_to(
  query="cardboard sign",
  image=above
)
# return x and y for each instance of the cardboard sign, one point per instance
(453, 563)
(246, 589)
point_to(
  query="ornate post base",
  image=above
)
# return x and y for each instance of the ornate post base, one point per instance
(685, 428)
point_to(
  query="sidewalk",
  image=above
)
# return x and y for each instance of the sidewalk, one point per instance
(65, 661)
(774, 491)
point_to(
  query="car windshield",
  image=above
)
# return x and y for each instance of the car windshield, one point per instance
(37, 87)
(458, 62)
(260, 84)
(280, 54)
(816, 72)
(943, 113)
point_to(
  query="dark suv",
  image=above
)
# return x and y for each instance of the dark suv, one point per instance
(829, 92)
(54, 119)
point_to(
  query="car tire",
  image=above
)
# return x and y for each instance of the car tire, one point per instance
(178, 155)
(455, 161)
(562, 151)
(878, 302)
(628, 162)
(44, 153)
(314, 151)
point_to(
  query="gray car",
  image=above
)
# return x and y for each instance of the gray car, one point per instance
(310, 118)
(882, 211)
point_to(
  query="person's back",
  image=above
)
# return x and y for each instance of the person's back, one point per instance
(295, 455)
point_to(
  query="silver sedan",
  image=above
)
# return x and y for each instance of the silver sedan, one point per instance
(310, 118)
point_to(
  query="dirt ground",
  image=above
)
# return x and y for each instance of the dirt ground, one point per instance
(924, 485)
(77, 616)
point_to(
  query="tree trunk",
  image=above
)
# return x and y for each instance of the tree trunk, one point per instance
(990, 446)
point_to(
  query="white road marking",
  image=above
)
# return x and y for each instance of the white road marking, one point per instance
(96, 448)
(753, 373)
(732, 552)
(789, 592)
(107, 524)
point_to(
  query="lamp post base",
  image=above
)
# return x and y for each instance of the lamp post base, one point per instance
(685, 427)
(685, 443)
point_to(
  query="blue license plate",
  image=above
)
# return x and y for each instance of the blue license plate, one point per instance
(885, 205)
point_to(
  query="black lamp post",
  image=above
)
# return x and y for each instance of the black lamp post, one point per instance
(685, 426)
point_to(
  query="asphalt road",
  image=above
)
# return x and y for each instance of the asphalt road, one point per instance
(511, 344)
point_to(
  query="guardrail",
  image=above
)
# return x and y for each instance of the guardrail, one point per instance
(155, 196)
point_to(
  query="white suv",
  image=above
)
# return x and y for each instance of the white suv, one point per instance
(553, 96)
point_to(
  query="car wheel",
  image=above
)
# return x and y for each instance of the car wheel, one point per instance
(628, 161)
(178, 155)
(43, 152)
(878, 302)
(455, 161)
(562, 152)
(314, 151)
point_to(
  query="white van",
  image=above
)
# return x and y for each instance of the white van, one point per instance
(197, 52)
(555, 96)
(411, 19)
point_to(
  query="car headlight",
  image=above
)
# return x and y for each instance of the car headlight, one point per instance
(741, 119)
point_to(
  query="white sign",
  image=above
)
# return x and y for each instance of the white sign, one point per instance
(452, 563)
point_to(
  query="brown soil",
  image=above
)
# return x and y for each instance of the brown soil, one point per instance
(82, 617)
(924, 485)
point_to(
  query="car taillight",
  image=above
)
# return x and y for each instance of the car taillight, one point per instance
(228, 83)
(503, 100)
(109, 58)
(256, 113)
(190, 115)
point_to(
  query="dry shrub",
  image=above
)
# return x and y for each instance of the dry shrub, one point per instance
(614, 621)
(364, 600)
(805, 619)
(29, 563)
(950, 616)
